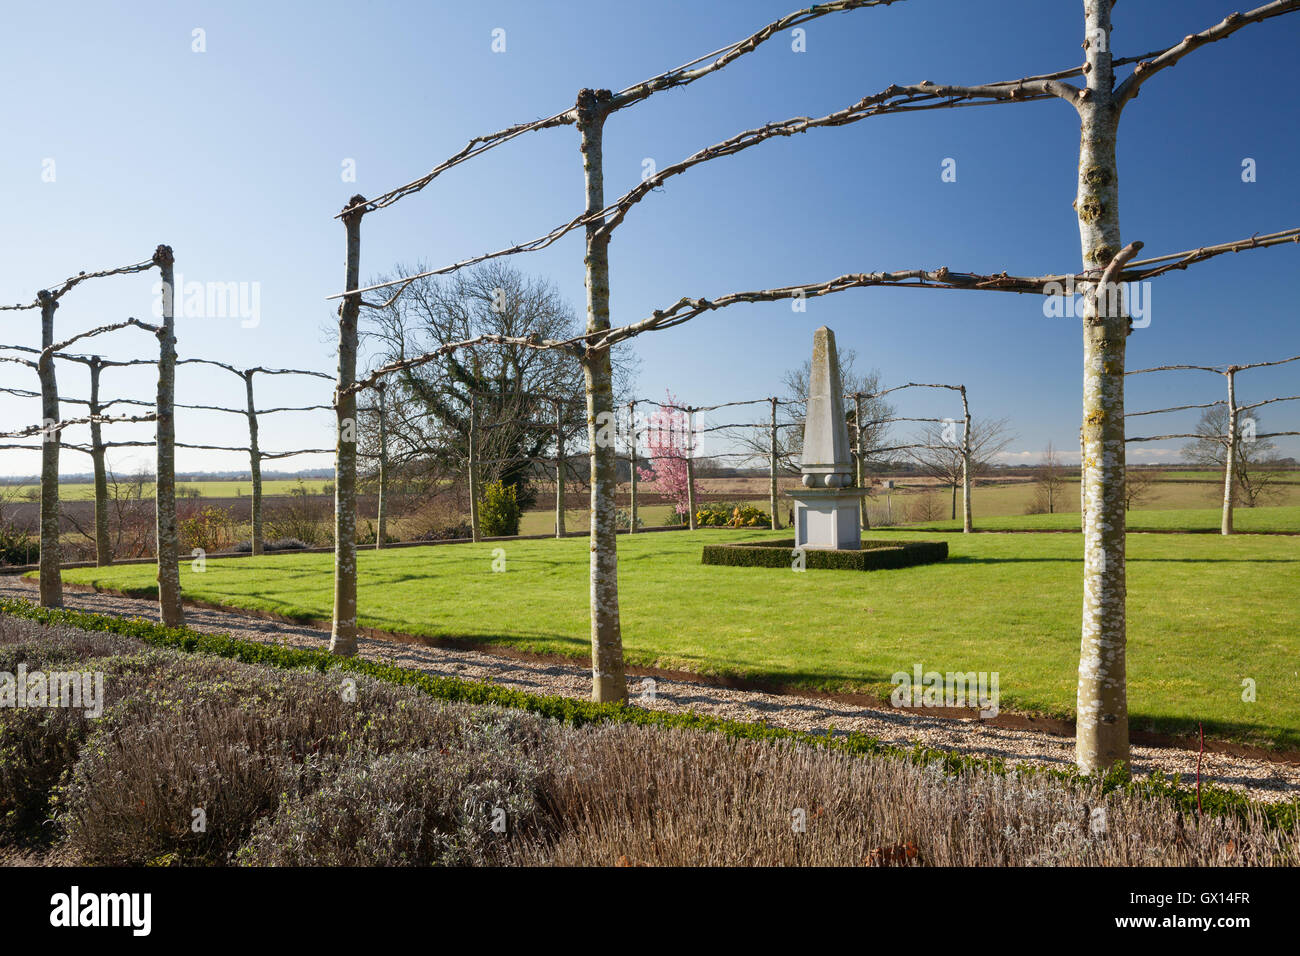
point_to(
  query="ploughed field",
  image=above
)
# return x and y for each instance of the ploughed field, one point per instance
(1205, 614)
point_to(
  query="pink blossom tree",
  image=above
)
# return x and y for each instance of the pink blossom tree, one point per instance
(668, 441)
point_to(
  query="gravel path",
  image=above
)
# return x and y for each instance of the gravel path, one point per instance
(1263, 779)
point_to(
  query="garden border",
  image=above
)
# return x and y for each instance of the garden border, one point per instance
(1213, 800)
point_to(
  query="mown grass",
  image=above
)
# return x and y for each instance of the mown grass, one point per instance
(1205, 613)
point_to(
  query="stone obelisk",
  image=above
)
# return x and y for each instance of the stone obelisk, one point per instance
(826, 511)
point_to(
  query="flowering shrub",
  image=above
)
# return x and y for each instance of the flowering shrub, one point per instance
(726, 515)
(668, 440)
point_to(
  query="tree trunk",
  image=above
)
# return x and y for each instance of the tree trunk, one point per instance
(632, 463)
(343, 634)
(690, 469)
(559, 471)
(1083, 488)
(953, 516)
(51, 439)
(381, 512)
(860, 462)
(966, 524)
(608, 680)
(254, 464)
(774, 474)
(1102, 705)
(1230, 458)
(103, 543)
(170, 610)
(472, 468)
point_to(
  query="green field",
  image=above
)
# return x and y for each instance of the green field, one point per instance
(1286, 477)
(85, 491)
(1205, 612)
(1194, 519)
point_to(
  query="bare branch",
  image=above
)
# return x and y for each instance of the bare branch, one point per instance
(1150, 268)
(1173, 408)
(671, 79)
(1225, 28)
(894, 99)
(129, 323)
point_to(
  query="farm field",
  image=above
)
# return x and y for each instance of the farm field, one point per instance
(1005, 501)
(1282, 519)
(1205, 613)
(85, 491)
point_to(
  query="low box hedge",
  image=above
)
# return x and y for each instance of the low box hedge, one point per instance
(873, 556)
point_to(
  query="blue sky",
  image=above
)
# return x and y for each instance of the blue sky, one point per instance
(234, 157)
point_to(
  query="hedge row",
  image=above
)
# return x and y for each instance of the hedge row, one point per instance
(874, 555)
(1215, 800)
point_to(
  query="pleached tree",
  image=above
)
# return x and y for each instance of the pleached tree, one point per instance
(1102, 708)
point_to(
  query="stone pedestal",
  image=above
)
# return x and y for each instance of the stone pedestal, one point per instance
(828, 518)
(827, 511)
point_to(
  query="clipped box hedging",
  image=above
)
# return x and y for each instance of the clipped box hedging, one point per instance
(874, 555)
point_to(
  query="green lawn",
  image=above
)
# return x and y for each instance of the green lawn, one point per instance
(1185, 519)
(1204, 613)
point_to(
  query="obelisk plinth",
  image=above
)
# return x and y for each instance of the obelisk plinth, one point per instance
(827, 513)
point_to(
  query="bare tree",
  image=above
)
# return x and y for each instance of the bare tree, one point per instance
(515, 388)
(1049, 485)
(608, 680)
(51, 555)
(171, 611)
(1102, 706)
(793, 405)
(343, 633)
(1139, 483)
(1255, 460)
(939, 455)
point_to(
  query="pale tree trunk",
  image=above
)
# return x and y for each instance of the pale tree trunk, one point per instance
(473, 467)
(254, 464)
(170, 609)
(609, 682)
(103, 543)
(381, 509)
(859, 462)
(966, 524)
(773, 472)
(51, 439)
(1102, 705)
(632, 462)
(1230, 458)
(1083, 488)
(690, 469)
(559, 471)
(343, 634)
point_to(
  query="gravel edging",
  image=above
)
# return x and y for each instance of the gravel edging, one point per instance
(1265, 780)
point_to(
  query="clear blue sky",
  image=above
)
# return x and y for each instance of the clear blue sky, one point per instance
(233, 156)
